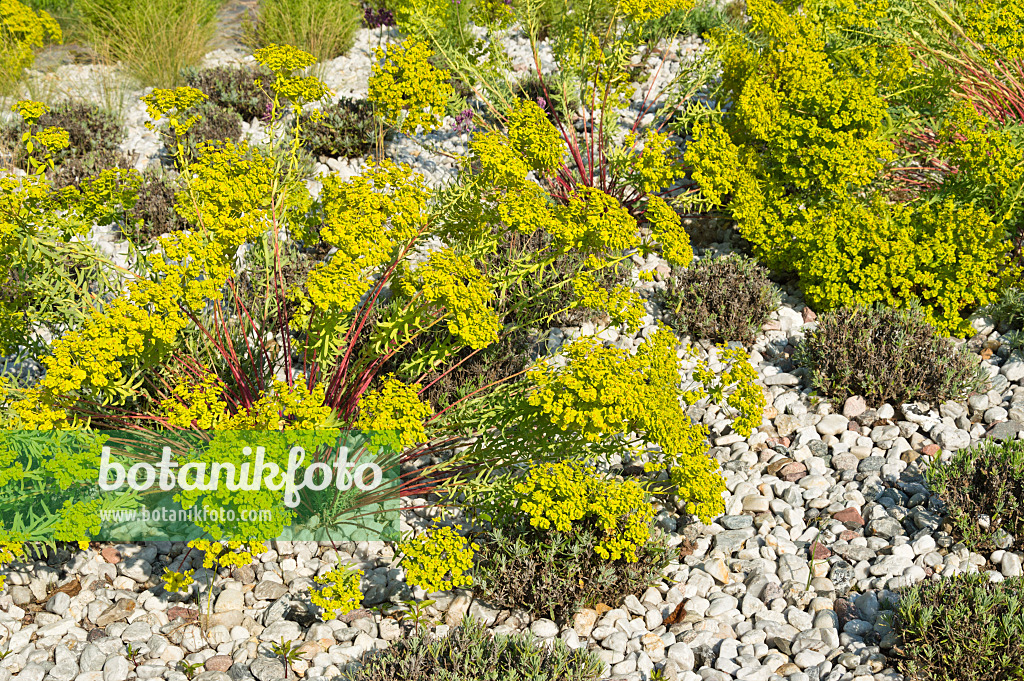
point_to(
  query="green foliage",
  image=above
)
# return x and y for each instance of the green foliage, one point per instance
(721, 299)
(21, 30)
(93, 140)
(798, 158)
(153, 213)
(324, 28)
(886, 355)
(1008, 312)
(553, 574)
(156, 39)
(234, 88)
(287, 652)
(332, 292)
(345, 129)
(47, 487)
(984, 480)
(470, 653)
(967, 628)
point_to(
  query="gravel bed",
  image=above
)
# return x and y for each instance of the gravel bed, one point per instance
(827, 515)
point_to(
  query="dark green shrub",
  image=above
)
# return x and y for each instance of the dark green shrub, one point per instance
(345, 130)
(554, 574)
(470, 653)
(89, 128)
(76, 168)
(94, 138)
(234, 88)
(886, 355)
(324, 28)
(984, 480)
(153, 214)
(215, 124)
(721, 299)
(961, 629)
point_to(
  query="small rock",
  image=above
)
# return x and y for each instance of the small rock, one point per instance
(1011, 565)
(219, 663)
(116, 669)
(854, 406)
(230, 600)
(58, 603)
(832, 424)
(267, 669)
(269, 591)
(544, 628)
(111, 555)
(116, 613)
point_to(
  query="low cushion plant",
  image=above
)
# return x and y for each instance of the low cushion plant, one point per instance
(983, 489)
(720, 299)
(470, 653)
(966, 628)
(245, 91)
(885, 355)
(574, 539)
(343, 129)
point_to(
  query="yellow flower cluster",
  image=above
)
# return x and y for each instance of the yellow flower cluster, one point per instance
(280, 407)
(339, 592)
(667, 228)
(22, 29)
(173, 103)
(407, 90)
(698, 482)
(622, 303)
(594, 222)
(501, 166)
(394, 407)
(30, 111)
(534, 137)
(228, 192)
(367, 218)
(439, 559)
(747, 399)
(227, 554)
(286, 62)
(604, 391)
(10, 551)
(655, 168)
(283, 58)
(945, 255)
(560, 494)
(996, 25)
(645, 10)
(177, 582)
(454, 283)
(527, 209)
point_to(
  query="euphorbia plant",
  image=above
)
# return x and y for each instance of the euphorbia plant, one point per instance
(197, 343)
